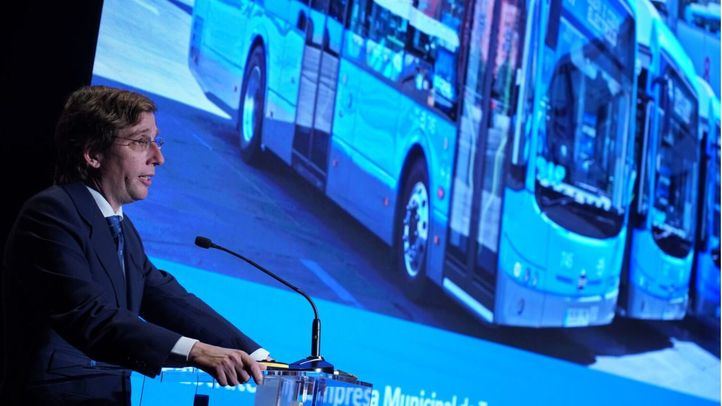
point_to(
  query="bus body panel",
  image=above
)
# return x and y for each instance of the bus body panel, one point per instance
(661, 280)
(338, 182)
(224, 49)
(574, 284)
(377, 129)
(284, 49)
(364, 119)
(707, 287)
(214, 76)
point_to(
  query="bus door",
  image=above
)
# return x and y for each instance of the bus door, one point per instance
(490, 95)
(322, 23)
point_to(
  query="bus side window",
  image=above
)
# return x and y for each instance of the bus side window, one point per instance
(358, 28)
(385, 43)
(430, 69)
(508, 58)
(337, 10)
(446, 78)
(319, 5)
(416, 78)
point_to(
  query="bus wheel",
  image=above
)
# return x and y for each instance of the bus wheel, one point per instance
(413, 231)
(250, 114)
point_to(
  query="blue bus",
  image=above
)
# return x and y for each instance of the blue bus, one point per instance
(706, 288)
(488, 142)
(660, 249)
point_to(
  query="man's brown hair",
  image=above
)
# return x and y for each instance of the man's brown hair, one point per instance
(90, 122)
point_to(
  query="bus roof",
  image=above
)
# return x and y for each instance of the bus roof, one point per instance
(649, 21)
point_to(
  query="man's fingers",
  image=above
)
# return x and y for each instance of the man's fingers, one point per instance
(238, 366)
(221, 376)
(231, 368)
(256, 372)
(243, 374)
(253, 368)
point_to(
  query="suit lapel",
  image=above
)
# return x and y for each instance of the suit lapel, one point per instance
(101, 240)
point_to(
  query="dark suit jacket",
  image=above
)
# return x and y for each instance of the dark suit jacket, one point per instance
(68, 310)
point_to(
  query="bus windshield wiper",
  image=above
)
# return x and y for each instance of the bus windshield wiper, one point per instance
(562, 200)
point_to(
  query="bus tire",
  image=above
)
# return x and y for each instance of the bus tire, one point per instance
(412, 232)
(251, 106)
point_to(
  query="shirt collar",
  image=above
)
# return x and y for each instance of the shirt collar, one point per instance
(103, 204)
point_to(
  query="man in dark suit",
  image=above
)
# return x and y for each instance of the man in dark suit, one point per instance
(82, 303)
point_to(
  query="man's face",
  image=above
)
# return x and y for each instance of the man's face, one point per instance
(128, 167)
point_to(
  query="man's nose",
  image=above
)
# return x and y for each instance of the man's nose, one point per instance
(156, 155)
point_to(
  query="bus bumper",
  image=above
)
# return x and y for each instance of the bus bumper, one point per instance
(520, 305)
(642, 305)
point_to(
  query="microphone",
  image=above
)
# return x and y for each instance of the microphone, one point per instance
(315, 361)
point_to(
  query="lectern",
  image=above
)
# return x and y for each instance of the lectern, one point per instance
(283, 387)
(193, 387)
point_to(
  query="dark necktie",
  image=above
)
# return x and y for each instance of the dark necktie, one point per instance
(117, 231)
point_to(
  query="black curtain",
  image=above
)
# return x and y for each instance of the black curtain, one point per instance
(47, 52)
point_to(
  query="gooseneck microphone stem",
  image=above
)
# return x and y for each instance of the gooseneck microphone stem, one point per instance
(269, 273)
(316, 328)
(315, 361)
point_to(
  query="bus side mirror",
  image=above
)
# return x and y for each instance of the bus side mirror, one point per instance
(662, 82)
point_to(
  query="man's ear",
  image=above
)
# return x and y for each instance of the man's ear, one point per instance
(93, 160)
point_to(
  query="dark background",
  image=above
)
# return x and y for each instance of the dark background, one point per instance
(37, 36)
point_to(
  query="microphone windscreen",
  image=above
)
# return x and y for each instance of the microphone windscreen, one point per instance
(203, 242)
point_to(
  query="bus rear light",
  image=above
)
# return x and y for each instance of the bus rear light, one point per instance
(386, 202)
(436, 240)
(440, 193)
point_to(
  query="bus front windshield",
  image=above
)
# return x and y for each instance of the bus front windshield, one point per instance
(582, 153)
(674, 211)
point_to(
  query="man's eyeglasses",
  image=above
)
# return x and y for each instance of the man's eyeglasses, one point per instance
(143, 144)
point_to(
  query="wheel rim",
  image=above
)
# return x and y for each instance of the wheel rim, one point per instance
(416, 229)
(251, 106)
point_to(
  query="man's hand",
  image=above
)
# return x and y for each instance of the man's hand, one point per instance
(227, 366)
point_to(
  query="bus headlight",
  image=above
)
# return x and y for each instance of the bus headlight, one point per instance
(517, 270)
